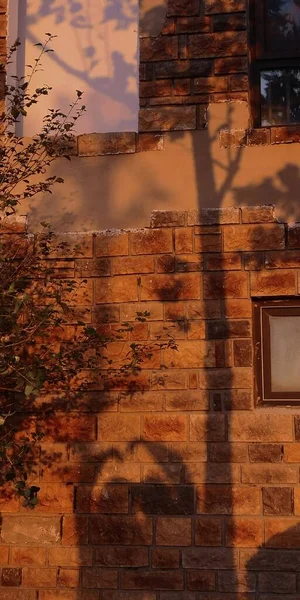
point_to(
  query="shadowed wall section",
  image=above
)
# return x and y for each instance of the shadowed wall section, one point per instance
(172, 485)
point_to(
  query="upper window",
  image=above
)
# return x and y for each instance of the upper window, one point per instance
(277, 351)
(275, 62)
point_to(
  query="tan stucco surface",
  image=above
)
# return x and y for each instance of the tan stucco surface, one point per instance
(191, 172)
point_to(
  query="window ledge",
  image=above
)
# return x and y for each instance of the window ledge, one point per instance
(262, 136)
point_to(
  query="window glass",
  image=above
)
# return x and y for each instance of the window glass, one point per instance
(282, 25)
(280, 96)
(285, 353)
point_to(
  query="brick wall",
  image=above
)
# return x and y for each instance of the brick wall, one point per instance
(178, 488)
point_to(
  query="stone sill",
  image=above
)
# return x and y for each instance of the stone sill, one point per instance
(262, 136)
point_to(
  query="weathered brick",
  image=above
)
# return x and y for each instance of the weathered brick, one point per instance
(212, 473)
(254, 237)
(121, 556)
(232, 284)
(171, 287)
(187, 400)
(167, 500)
(165, 558)
(242, 351)
(207, 427)
(168, 118)
(155, 580)
(95, 144)
(165, 428)
(132, 530)
(209, 558)
(74, 530)
(173, 531)
(224, 6)
(111, 243)
(260, 474)
(111, 595)
(201, 581)
(207, 85)
(190, 452)
(183, 240)
(132, 264)
(54, 498)
(68, 578)
(203, 310)
(20, 530)
(56, 594)
(165, 263)
(230, 581)
(241, 532)
(163, 473)
(280, 583)
(284, 135)
(223, 262)
(102, 499)
(229, 22)
(184, 68)
(228, 452)
(233, 138)
(183, 7)
(14, 594)
(292, 453)
(277, 501)
(232, 64)
(216, 379)
(118, 427)
(176, 380)
(270, 283)
(99, 578)
(191, 354)
(116, 289)
(208, 531)
(261, 428)
(151, 241)
(228, 500)
(66, 428)
(237, 309)
(33, 577)
(70, 557)
(28, 556)
(208, 243)
(193, 25)
(167, 218)
(258, 137)
(228, 329)
(282, 533)
(265, 453)
(158, 48)
(209, 45)
(293, 235)
(11, 577)
(147, 142)
(282, 260)
(161, 87)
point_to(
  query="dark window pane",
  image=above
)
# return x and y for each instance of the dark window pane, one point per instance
(280, 97)
(282, 25)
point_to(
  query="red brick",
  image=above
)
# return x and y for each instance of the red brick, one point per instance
(280, 583)
(242, 350)
(258, 214)
(216, 379)
(99, 578)
(285, 135)
(201, 581)
(102, 499)
(196, 330)
(167, 118)
(111, 243)
(183, 68)
(241, 532)
(229, 22)
(231, 284)
(292, 453)
(206, 85)
(238, 400)
(187, 400)
(111, 595)
(155, 580)
(270, 283)
(254, 237)
(207, 45)
(213, 216)
(232, 138)
(68, 578)
(297, 501)
(21, 594)
(167, 218)
(173, 531)
(228, 452)
(293, 236)
(165, 558)
(65, 595)
(27, 556)
(190, 452)
(118, 427)
(207, 428)
(189, 263)
(121, 556)
(95, 144)
(282, 260)
(163, 473)
(237, 309)
(165, 428)
(177, 380)
(277, 501)
(253, 261)
(261, 428)
(208, 531)
(228, 500)
(265, 453)
(151, 241)
(4, 551)
(258, 137)
(74, 531)
(61, 428)
(54, 498)
(149, 142)
(228, 329)
(191, 354)
(39, 577)
(276, 474)
(209, 558)
(203, 310)
(165, 264)
(230, 581)
(212, 473)
(70, 557)
(11, 577)
(185, 286)
(158, 48)
(132, 264)
(232, 64)
(224, 6)
(153, 499)
(132, 530)
(116, 289)
(160, 87)
(20, 530)
(183, 240)
(183, 7)
(223, 262)
(282, 533)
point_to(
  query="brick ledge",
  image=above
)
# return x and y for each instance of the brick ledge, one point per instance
(262, 136)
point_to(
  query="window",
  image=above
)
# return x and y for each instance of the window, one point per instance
(275, 62)
(277, 351)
